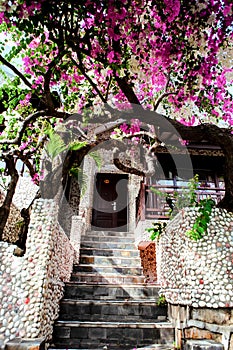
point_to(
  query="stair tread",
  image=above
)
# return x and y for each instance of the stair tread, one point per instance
(152, 347)
(115, 285)
(103, 275)
(129, 237)
(109, 248)
(109, 231)
(111, 256)
(83, 241)
(159, 324)
(106, 247)
(110, 301)
(108, 266)
(93, 268)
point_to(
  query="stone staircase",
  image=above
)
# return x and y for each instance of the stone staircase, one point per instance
(106, 304)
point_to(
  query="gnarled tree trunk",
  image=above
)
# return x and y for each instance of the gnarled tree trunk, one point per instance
(5, 208)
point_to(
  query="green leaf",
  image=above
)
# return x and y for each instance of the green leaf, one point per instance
(200, 230)
(75, 172)
(149, 230)
(55, 146)
(76, 145)
(97, 158)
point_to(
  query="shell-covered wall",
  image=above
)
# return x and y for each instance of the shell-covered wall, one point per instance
(197, 273)
(31, 286)
(24, 194)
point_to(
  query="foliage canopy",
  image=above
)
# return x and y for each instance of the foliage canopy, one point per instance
(169, 56)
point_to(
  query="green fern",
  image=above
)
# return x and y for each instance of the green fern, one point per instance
(81, 177)
(48, 129)
(55, 146)
(77, 145)
(97, 158)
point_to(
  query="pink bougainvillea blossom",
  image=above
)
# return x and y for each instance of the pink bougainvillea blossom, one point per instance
(37, 178)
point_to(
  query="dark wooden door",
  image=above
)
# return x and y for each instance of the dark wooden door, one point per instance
(110, 205)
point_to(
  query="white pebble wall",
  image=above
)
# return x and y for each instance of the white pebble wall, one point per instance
(31, 286)
(197, 273)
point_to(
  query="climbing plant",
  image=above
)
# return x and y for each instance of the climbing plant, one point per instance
(156, 230)
(201, 222)
(186, 198)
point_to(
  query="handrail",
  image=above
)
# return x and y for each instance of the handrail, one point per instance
(186, 187)
(154, 206)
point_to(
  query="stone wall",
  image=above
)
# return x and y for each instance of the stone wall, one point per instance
(24, 194)
(196, 277)
(197, 273)
(31, 286)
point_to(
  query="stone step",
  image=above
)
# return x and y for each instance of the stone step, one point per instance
(106, 269)
(94, 291)
(114, 335)
(112, 310)
(101, 238)
(116, 234)
(106, 278)
(110, 260)
(19, 343)
(108, 245)
(202, 344)
(126, 253)
(106, 347)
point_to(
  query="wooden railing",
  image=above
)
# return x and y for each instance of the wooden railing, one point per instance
(155, 206)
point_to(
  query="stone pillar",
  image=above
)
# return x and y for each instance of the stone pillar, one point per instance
(77, 228)
(86, 200)
(133, 188)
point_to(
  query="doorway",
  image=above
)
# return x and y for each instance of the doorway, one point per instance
(110, 204)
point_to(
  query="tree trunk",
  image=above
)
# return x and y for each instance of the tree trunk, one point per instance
(25, 213)
(5, 208)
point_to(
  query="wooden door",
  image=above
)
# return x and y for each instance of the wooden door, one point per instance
(110, 205)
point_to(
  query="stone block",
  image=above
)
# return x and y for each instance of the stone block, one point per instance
(197, 333)
(61, 332)
(26, 344)
(166, 335)
(151, 334)
(132, 334)
(79, 333)
(114, 333)
(202, 344)
(218, 316)
(97, 333)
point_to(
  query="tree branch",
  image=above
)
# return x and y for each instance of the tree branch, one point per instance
(127, 168)
(82, 70)
(28, 120)
(16, 71)
(26, 161)
(165, 94)
(108, 87)
(47, 79)
(127, 90)
(161, 97)
(141, 134)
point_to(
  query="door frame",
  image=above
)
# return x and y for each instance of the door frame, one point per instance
(113, 215)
